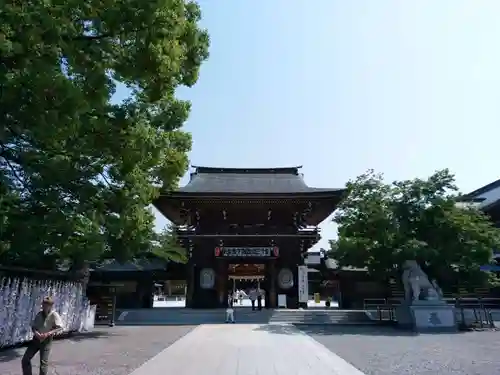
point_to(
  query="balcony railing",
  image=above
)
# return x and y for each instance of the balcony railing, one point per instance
(253, 230)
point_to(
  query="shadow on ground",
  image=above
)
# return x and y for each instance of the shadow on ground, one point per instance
(338, 330)
(11, 354)
(97, 334)
(16, 351)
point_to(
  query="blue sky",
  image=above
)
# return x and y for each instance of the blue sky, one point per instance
(403, 87)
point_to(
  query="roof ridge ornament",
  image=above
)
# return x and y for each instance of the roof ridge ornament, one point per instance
(287, 170)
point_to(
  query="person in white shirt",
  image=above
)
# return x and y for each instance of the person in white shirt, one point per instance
(241, 294)
(45, 326)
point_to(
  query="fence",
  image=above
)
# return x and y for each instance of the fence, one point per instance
(470, 312)
(20, 301)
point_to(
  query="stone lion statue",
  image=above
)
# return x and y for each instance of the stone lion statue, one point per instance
(415, 281)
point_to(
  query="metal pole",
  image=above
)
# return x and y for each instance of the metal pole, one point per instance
(113, 310)
(490, 320)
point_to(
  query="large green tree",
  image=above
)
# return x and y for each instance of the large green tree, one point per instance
(167, 246)
(78, 169)
(381, 225)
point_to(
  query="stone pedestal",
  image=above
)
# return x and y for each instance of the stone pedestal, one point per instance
(427, 316)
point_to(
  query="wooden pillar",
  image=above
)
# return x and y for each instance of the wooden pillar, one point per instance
(273, 298)
(221, 272)
(146, 289)
(190, 280)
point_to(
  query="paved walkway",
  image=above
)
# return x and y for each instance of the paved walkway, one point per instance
(246, 350)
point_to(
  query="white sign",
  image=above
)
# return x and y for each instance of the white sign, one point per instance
(303, 284)
(89, 321)
(242, 252)
(282, 300)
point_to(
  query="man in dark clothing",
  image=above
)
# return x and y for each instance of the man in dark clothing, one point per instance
(259, 299)
(253, 297)
(46, 324)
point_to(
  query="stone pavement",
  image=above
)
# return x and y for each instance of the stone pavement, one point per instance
(104, 351)
(378, 350)
(246, 350)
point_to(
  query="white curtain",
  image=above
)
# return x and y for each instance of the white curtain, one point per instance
(20, 301)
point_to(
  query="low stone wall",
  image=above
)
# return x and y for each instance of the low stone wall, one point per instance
(20, 301)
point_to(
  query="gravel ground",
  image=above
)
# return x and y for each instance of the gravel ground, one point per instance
(384, 350)
(104, 351)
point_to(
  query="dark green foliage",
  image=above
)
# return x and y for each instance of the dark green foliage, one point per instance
(381, 225)
(77, 171)
(167, 246)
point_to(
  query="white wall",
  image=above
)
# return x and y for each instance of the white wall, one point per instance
(312, 259)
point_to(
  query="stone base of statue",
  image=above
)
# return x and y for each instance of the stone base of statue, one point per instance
(427, 316)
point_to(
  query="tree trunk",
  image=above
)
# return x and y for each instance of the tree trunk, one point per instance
(81, 272)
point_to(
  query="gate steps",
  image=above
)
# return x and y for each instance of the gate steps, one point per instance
(167, 316)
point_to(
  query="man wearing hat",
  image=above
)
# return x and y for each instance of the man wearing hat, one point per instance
(46, 324)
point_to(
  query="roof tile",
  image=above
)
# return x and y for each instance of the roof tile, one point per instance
(273, 180)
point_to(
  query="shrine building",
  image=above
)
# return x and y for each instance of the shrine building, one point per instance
(243, 225)
(487, 199)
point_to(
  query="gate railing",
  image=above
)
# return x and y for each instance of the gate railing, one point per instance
(470, 311)
(383, 310)
(476, 312)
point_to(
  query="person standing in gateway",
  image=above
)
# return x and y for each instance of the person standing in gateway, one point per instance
(259, 298)
(230, 310)
(253, 297)
(46, 324)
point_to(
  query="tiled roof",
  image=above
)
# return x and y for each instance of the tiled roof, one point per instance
(484, 189)
(138, 265)
(265, 181)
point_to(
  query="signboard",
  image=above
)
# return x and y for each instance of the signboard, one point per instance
(246, 252)
(282, 300)
(303, 284)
